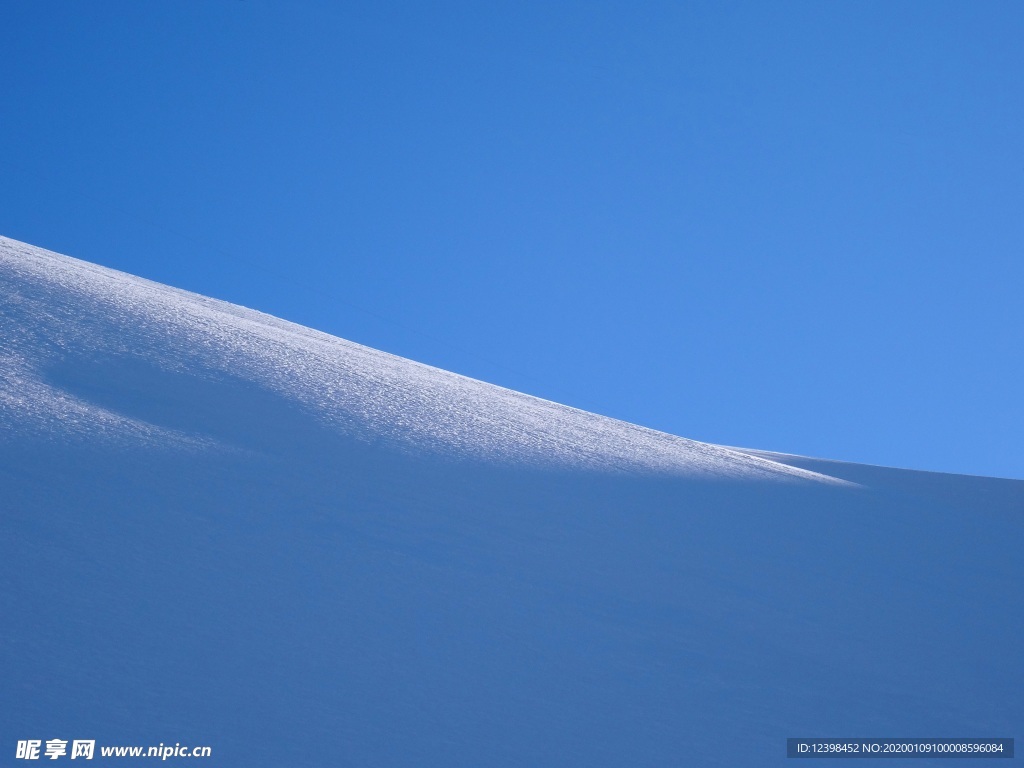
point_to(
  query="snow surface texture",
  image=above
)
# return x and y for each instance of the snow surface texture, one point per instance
(64, 314)
(220, 528)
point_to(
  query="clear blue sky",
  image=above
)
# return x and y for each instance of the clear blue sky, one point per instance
(794, 226)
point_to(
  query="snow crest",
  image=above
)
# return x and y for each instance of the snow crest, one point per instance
(60, 316)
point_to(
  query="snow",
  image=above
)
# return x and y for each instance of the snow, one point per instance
(67, 315)
(220, 528)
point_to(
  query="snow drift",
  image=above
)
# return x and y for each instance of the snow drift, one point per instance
(222, 528)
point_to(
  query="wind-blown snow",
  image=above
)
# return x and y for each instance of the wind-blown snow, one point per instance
(58, 307)
(220, 528)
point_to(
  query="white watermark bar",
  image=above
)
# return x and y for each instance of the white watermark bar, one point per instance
(86, 749)
(898, 748)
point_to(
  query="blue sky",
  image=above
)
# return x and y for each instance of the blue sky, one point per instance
(790, 226)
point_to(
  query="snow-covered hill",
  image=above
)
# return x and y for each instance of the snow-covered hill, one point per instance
(92, 351)
(221, 528)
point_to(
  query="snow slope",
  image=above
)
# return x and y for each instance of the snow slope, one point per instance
(221, 528)
(74, 325)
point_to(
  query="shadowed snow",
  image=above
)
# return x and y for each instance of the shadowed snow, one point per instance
(219, 528)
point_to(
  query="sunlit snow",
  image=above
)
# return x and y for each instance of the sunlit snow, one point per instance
(220, 528)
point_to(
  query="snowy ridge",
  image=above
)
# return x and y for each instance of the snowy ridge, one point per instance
(54, 308)
(219, 528)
